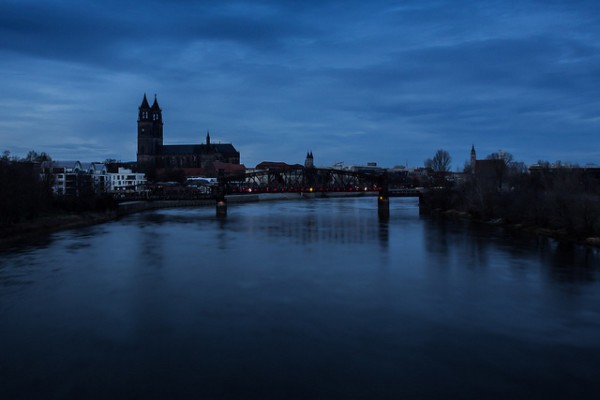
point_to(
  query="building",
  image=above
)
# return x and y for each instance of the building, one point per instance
(68, 177)
(489, 172)
(154, 157)
(73, 178)
(277, 166)
(98, 171)
(125, 181)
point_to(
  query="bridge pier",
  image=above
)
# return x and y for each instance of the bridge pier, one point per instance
(221, 208)
(383, 207)
(220, 195)
(383, 200)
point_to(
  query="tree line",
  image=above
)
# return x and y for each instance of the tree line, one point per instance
(560, 197)
(26, 193)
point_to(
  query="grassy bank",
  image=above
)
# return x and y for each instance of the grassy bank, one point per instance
(49, 223)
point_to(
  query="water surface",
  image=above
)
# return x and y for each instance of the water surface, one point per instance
(299, 299)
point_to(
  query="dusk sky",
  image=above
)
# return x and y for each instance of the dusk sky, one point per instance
(352, 81)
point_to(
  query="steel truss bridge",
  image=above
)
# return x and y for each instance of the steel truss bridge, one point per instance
(302, 180)
(310, 180)
(299, 180)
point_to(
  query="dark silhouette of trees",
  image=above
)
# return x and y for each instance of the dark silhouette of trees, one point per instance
(26, 193)
(440, 162)
(439, 166)
(33, 156)
(23, 195)
(501, 155)
(560, 197)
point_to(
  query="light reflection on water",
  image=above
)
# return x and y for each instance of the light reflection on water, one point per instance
(310, 299)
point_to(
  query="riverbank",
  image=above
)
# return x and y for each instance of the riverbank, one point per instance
(44, 225)
(47, 224)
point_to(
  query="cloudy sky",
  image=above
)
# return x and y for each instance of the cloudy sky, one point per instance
(353, 81)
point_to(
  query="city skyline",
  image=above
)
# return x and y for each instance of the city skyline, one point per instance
(349, 81)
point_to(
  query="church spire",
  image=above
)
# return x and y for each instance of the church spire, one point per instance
(207, 138)
(145, 102)
(155, 104)
(309, 162)
(155, 112)
(144, 110)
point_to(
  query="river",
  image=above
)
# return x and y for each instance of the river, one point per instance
(312, 299)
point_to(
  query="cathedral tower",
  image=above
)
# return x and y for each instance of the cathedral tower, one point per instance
(150, 135)
(309, 162)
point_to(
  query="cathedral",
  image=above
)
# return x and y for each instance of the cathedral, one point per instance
(154, 157)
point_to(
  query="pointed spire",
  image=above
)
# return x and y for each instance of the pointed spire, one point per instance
(145, 102)
(155, 104)
(207, 138)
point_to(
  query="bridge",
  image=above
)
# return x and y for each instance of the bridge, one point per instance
(309, 180)
(406, 192)
(300, 179)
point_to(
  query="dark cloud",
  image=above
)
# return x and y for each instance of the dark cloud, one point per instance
(360, 81)
(106, 33)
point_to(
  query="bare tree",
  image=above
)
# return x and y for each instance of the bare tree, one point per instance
(508, 167)
(441, 161)
(34, 156)
(501, 155)
(517, 167)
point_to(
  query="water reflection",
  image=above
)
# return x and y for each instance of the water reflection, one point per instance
(151, 248)
(384, 234)
(317, 227)
(445, 238)
(561, 261)
(313, 299)
(273, 221)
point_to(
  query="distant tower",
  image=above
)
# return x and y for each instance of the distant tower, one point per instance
(309, 162)
(150, 134)
(473, 159)
(207, 138)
